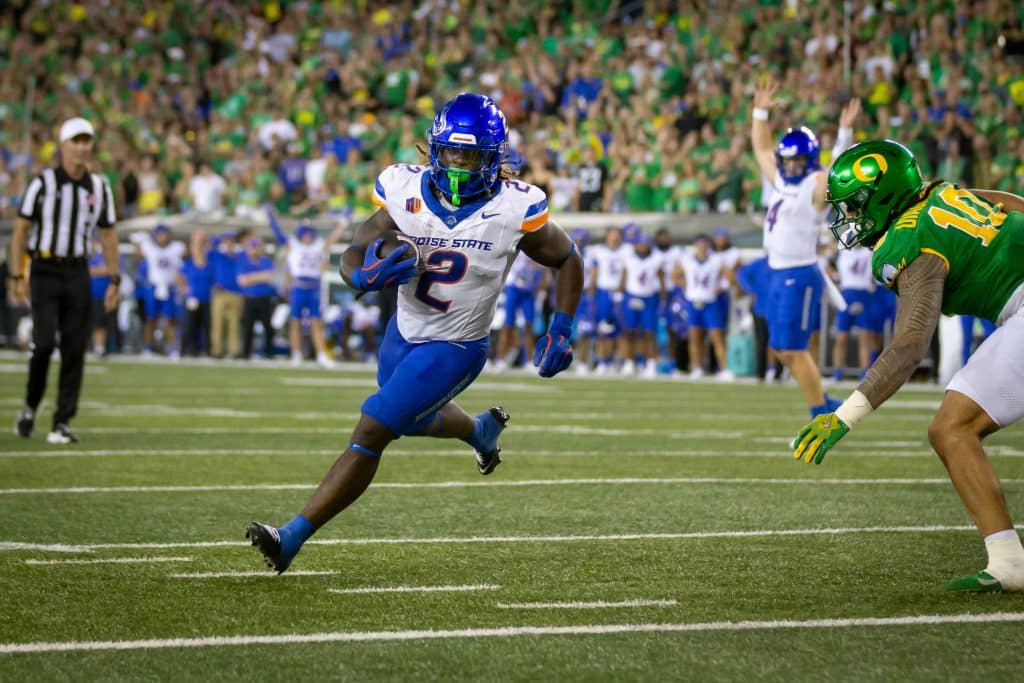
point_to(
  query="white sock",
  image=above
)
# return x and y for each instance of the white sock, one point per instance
(1006, 558)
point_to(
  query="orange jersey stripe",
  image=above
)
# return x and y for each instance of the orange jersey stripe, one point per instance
(535, 223)
(378, 201)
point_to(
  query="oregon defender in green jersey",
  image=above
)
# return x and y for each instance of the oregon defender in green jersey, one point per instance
(943, 249)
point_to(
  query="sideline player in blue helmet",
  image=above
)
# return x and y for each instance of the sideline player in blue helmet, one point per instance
(473, 128)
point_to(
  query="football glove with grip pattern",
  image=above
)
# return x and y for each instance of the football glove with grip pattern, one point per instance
(379, 273)
(553, 351)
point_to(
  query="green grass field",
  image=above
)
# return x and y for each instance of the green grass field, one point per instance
(635, 531)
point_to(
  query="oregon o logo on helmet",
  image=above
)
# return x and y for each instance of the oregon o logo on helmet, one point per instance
(870, 173)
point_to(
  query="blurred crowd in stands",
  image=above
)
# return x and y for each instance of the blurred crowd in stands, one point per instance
(221, 108)
(218, 107)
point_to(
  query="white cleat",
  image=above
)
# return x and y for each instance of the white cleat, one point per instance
(324, 361)
(582, 369)
(650, 371)
(697, 373)
(628, 368)
(296, 359)
(725, 376)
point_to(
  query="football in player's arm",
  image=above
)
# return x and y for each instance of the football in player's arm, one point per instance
(943, 250)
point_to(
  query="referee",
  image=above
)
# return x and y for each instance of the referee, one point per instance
(59, 210)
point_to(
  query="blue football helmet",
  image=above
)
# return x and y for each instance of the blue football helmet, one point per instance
(581, 236)
(304, 230)
(798, 142)
(473, 125)
(632, 233)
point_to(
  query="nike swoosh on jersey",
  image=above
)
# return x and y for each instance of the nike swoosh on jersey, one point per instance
(489, 215)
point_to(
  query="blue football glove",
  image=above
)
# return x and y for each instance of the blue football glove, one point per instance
(379, 273)
(553, 352)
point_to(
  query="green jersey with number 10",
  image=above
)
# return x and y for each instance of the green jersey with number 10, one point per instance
(983, 248)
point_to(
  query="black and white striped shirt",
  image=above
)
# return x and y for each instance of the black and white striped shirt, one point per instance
(64, 212)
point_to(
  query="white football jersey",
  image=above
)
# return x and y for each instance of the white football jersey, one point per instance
(702, 277)
(468, 252)
(642, 274)
(306, 261)
(162, 264)
(729, 258)
(610, 265)
(669, 259)
(854, 266)
(589, 264)
(792, 224)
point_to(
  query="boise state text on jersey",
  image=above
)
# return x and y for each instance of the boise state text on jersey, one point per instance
(467, 251)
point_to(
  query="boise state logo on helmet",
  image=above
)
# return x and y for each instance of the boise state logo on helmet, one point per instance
(473, 124)
(797, 143)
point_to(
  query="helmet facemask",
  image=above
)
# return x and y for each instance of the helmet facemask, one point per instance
(852, 226)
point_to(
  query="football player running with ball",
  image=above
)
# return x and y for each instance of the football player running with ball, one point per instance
(942, 249)
(468, 218)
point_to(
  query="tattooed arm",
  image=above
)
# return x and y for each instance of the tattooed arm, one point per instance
(920, 290)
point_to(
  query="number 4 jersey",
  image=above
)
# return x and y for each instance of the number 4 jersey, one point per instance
(467, 251)
(983, 248)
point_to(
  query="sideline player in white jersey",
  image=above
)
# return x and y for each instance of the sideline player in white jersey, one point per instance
(644, 288)
(163, 259)
(468, 218)
(586, 313)
(609, 263)
(307, 255)
(864, 310)
(792, 225)
(699, 273)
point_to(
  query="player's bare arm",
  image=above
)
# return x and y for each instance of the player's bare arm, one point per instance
(1007, 200)
(19, 240)
(550, 246)
(920, 291)
(369, 231)
(847, 117)
(760, 130)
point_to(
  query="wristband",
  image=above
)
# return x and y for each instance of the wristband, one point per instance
(854, 409)
(561, 323)
(115, 279)
(760, 114)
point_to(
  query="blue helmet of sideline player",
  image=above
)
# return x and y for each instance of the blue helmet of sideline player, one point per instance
(467, 145)
(797, 154)
(305, 230)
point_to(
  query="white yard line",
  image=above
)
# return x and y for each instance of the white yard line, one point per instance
(415, 589)
(498, 483)
(266, 573)
(111, 560)
(442, 540)
(640, 602)
(510, 631)
(65, 452)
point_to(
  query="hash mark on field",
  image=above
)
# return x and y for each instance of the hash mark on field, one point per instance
(415, 589)
(640, 602)
(111, 560)
(510, 631)
(264, 574)
(826, 531)
(498, 483)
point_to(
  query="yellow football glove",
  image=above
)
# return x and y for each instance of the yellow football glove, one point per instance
(817, 437)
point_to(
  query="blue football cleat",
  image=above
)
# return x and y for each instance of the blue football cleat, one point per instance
(267, 540)
(493, 423)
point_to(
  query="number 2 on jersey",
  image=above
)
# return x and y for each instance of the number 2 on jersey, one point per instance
(448, 267)
(978, 220)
